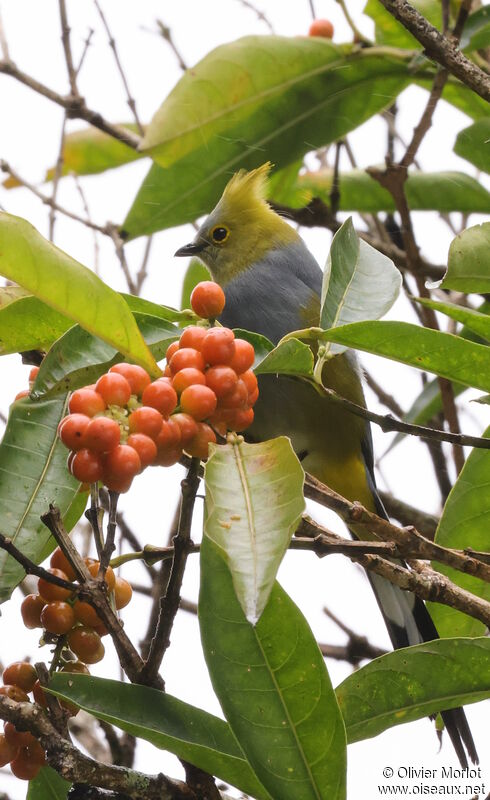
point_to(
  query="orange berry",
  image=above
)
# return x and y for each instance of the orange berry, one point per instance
(17, 738)
(7, 751)
(242, 419)
(190, 376)
(86, 644)
(58, 617)
(218, 346)
(85, 614)
(160, 395)
(31, 608)
(237, 398)
(114, 389)
(15, 693)
(39, 695)
(168, 457)
(33, 374)
(146, 420)
(170, 435)
(222, 380)
(253, 397)
(198, 445)
(121, 464)
(192, 337)
(136, 376)
(244, 356)
(101, 435)
(86, 466)
(250, 380)
(144, 446)
(76, 667)
(207, 299)
(186, 357)
(187, 425)
(321, 27)
(198, 401)
(20, 673)
(109, 577)
(123, 592)
(28, 761)
(86, 401)
(171, 349)
(71, 430)
(51, 591)
(20, 395)
(58, 560)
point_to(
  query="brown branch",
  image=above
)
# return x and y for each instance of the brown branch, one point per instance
(260, 14)
(4, 48)
(357, 648)
(113, 232)
(113, 46)
(75, 106)
(166, 34)
(31, 568)
(439, 48)
(169, 604)
(384, 397)
(143, 270)
(56, 180)
(88, 217)
(74, 766)
(409, 542)
(65, 38)
(425, 121)
(388, 423)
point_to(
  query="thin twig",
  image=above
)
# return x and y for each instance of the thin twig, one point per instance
(31, 568)
(3, 41)
(109, 546)
(113, 232)
(409, 515)
(166, 34)
(80, 191)
(439, 48)
(76, 110)
(426, 119)
(65, 38)
(142, 273)
(113, 46)
(384, 397)
(259, 13)
(86, 45)
(58, 170)
(312, 9)
(358, 36)
(169, 604)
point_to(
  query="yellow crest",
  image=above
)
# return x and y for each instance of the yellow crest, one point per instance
(246, 189)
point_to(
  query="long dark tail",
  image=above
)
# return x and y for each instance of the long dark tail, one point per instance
(408, 622)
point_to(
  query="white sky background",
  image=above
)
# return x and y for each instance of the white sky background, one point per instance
(29, 141)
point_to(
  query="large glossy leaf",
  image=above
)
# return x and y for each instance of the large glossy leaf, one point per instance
(288, 358)
(413, 683)
(273, 687)
(8, 294)
(30, 324)
(257, 98)
(168, 723)
(476, 32)
(389, 31)
(33, 474)
(48, 785)
(426, 191)
(58, 280)
(78, 358)
(446, 355)
(465, 523)
(359, 283)
(468, 267)
(474, 320)
(254, 501)
(473, 143)
(138, 304)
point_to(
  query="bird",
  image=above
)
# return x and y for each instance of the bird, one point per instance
(272, 285)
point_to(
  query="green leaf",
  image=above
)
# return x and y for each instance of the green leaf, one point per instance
(413, 683)
(79, 359)
(29, 324)
(254, 501)
(468, 267)
(33, 475)
(473, 144)
(476, 32)
(8, 294)
(288, 358)
(57, 279)
(48, 785)
(442, 353)
(138, 304)
(273, 687)
(359, 283)
(474, 320)
(440, 191)
(464, 523)
(388, 31)
(166, 722)
(277, 98)
(195, 273)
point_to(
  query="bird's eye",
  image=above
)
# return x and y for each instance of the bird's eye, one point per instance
(220, 234)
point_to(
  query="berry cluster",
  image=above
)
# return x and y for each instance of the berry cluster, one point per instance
(32, 378)
(125, 422)
(20, 748)
(60, 614)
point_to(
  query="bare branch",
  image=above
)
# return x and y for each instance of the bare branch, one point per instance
(439, 48)
(76, 107)
(113, 46)
(260, 14)
(113, 232)
(65, 38)
(409, 515)
(166, 34)
(3, 41)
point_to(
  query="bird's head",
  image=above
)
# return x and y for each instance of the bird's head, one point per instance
(241, 229)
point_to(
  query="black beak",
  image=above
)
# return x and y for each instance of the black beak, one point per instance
(191, 249)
